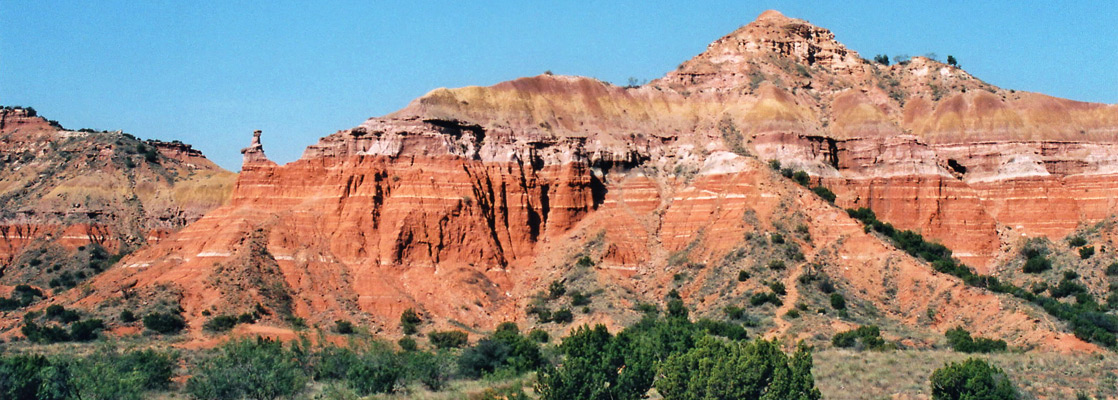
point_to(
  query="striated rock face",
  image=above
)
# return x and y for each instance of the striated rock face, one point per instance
(469, 201)
(61, 191)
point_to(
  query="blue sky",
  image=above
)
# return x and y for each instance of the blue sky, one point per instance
(209, 73)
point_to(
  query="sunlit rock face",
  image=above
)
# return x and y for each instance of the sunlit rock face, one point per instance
(469, 201)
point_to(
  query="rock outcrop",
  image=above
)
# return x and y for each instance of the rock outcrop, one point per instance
(67, 194)
(469, 201)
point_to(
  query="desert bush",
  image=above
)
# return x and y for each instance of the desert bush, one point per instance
(961, 340)
(755, 370)
(220, 323)
(448, 339)
(409, 321)
(249, 368)
(838, 302)
(869, 336)
(973, 379)
(163, 322)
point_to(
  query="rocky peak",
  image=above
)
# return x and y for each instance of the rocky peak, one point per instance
(254, 153)
(772, 39)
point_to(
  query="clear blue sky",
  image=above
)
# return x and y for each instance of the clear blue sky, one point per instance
(208, 73)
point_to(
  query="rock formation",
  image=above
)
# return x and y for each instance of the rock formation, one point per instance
(469, 201)
(70, 199)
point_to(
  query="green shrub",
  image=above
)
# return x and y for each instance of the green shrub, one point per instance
(972, 379)
(375, 372)
(961, 341)
(776, 265)
(409, 321)
(759, 299)
(448, 339)
(164, 323)
(579, 299)
(778, 288)
(774, 165)
(539, 336)
(743, 275)
(248, 368)
(838, 302)
(343, 327)
(563, 316)
(801, 178)
(407, 344)
(333, 362)
(734, 312)
(220, 323)
(433, 370)
(127, 316)
(1086, 252)
(869, 336)
(1076, 241)
(776, 238)
(556, 290)
(1037, 264)
(1112, 269)
(825, 194)
(742, 370)
(84, 331)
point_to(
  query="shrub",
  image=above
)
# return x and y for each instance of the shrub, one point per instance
(1086, 252)
(722, 328)
(375, 372)
(838, 302)
(881, 59)
(734, 312)
(825, 194)
(595, 367)
(409, 321)
(220, 323)
(774, 165)
(579, 299)
(563, 316)
(793, 313)
(433, 370)
(951, 61)
(1112, 269)
(248, 368)
(826, 286)
(778, 288)
(84, 331)
(868, 335)
(556, 289)
(1037, 264)
(961, 341)
(753, 370)
(759, 299)
(1076, 241)
(743, 275)
(164, 323)
(127, 316)
(333, 362)
(971, 379)
(343, 327)
(801, 178)
(776, 265)
(776, 238)
(448, 339)
(539, 336)
(407, 344)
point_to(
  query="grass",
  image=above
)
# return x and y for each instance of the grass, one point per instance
(843, 374)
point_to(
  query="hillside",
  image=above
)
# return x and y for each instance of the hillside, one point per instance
(74, 202)
(470, 204)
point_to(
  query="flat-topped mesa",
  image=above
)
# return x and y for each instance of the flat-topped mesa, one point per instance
(254, 153)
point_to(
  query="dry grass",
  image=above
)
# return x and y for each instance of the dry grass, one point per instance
(844, 374)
